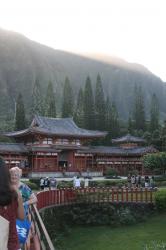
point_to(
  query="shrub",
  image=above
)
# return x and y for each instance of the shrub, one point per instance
(160, 199)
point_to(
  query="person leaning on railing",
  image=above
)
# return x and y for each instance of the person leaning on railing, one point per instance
(28, 196)
(11, 207)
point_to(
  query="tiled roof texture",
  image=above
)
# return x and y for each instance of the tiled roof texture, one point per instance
(119, 150)
(57, 126)
(13, 147)
(128, 138)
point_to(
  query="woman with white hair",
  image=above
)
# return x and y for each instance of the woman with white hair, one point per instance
(28, 196)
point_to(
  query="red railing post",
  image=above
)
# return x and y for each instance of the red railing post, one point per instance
(122, 194)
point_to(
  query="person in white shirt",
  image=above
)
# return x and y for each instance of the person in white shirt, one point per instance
(77, 182)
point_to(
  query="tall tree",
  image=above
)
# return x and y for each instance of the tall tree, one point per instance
(37, 99)
(139, 109)
(79, 112)
(68, 100)
(50, 107)
(20, 122)
(99, 105)
(154, 113)
(112, 121)
(130, 125)
(88, 105)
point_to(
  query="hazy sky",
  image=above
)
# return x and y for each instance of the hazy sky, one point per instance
(131, 29)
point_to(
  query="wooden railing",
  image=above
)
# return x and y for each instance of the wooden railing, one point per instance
(88, 195)
(41, 238)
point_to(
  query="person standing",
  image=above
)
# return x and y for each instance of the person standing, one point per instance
(77, 182)
(86, 183)
(41, 183)
(11, 208)
(53, 183)
(28, 196)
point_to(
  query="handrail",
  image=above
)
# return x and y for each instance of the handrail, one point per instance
(66, 196)
(42, 238)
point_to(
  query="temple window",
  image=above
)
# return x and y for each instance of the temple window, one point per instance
(47, 141)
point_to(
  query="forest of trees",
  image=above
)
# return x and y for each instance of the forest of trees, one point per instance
(92, 109)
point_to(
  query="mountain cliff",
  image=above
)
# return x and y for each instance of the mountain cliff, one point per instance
(22, 61)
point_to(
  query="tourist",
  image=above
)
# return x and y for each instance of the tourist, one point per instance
(46, 183)
(41, 183)
(11, 208)
(146, 181)
(53, 183)
(86, 182)
(138, 181)
(74, 180)
(152, 184)
(28, 196)
(133, 181)
(77, 182)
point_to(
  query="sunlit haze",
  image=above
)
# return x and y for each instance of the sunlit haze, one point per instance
(131, 29)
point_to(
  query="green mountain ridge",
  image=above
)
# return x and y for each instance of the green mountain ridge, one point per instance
(22, 61)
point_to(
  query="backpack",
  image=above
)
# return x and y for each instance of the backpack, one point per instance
(4, 233)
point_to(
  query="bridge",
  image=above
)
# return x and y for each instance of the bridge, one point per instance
(40, 239)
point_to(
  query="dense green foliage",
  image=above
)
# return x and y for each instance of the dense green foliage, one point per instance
(154, 114)
(79, 111)
(67, 100)
(155, 161)
(99, 106)
(160, 200)
(50, 107)
(89, 116)
(20, 122)
(37, 106)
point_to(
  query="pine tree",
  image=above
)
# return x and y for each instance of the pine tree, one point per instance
(67, 102)
(130, 125)
(37, 99)
(139, 109)
(20, 122)
(50, 108)
(99, 105)
(114, 121)
(88, 105)
(79, 112)
(154, 114)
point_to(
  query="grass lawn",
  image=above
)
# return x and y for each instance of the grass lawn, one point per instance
(133, 237)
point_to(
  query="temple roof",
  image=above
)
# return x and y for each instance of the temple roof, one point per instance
(13, 148)
(128, 138)
(56, 126)
(119, 151)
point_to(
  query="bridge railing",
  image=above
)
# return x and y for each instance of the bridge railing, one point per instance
(40, 239)
(88, 195)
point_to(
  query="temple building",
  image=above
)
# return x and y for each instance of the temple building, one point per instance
(57, 146)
